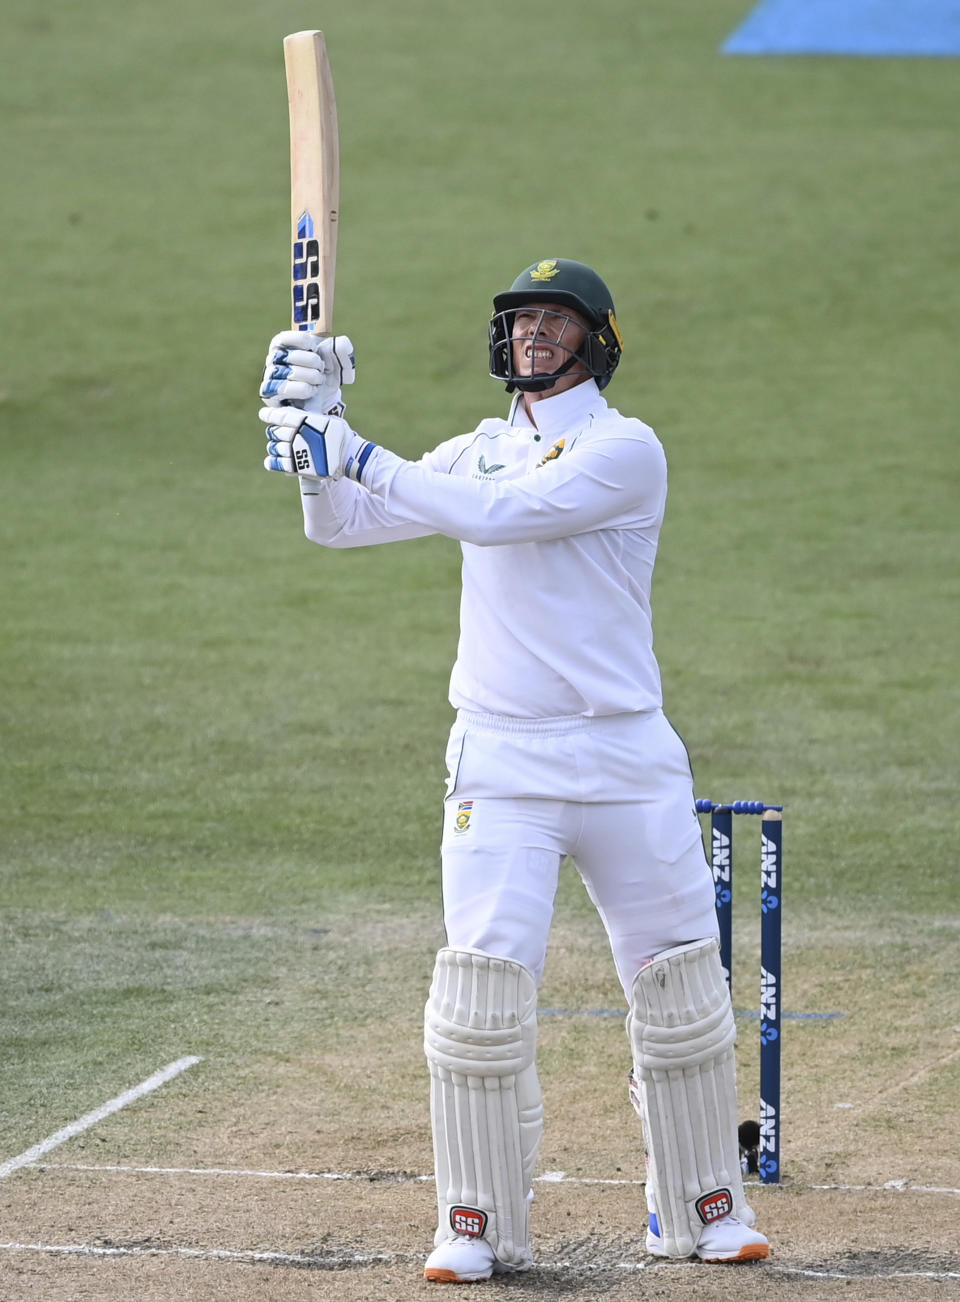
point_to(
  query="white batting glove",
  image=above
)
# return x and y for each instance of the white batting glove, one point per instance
(316, 447)
(308, 370)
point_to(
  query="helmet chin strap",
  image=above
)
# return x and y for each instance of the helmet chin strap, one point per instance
(537, 384)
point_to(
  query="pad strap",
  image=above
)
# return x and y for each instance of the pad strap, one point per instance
(486, 1108)
(682, 1033)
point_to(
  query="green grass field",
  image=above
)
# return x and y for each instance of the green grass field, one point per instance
(220, 744)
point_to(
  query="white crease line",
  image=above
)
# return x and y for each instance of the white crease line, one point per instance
(370, 1259)
(855, 1275)
(890, 1186)
(98, 1114)
(386, 1178)
(366, 1177)
(205, 1254)
(548, 1177)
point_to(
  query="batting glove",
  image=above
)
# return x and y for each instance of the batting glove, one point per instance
(308, 370)
(313, 448)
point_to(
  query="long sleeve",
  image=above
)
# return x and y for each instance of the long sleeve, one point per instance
(342, 514)
(613, 480)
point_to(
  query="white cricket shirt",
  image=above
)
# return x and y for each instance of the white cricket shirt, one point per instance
(558, 524)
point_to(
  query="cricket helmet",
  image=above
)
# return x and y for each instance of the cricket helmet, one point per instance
(570, 284)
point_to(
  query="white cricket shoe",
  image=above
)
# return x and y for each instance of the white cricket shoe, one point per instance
(461, 1261)
(731, 1240)
(725, 1240)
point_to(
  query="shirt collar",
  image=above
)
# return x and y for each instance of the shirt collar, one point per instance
(560, 412)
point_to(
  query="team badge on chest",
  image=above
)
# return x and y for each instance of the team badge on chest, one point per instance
(553, 453)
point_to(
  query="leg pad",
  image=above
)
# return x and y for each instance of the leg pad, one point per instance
(682, 1034)
(480, 1039)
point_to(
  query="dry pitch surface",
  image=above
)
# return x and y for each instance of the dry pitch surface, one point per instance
(309, 1177)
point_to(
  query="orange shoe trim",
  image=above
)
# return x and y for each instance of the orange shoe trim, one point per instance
(749, 1252)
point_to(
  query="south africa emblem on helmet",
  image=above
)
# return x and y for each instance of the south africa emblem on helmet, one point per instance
(464, 810)
(545, 270)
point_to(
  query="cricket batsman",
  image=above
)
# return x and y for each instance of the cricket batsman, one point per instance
(559, 748)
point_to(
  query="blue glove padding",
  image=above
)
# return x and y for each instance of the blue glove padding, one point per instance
(308, 370)
(324, 448)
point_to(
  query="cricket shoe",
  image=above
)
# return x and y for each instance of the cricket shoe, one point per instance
(462, 1261)
(726, 1240)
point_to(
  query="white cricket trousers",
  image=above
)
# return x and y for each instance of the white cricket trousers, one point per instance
(614, 793)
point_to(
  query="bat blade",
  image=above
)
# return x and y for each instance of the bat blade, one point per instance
(314, 180)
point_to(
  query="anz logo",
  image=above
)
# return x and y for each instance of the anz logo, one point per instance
(768, 1138)
(769, 1003)
(721, 857)
(768, 865)
(306, 271)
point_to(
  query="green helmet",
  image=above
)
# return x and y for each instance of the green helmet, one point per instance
(570, 284)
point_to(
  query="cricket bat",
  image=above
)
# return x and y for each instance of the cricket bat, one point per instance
(314, 180)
